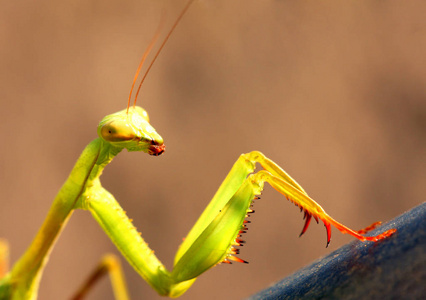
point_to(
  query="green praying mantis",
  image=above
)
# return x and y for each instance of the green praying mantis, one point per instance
(213, 240)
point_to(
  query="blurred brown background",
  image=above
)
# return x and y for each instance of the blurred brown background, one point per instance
(333, 91)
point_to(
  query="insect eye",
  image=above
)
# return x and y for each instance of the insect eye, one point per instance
(117, 132)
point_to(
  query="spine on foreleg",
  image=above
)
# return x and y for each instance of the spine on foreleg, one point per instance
(215, 243)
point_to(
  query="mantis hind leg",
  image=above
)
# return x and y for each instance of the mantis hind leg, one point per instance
(5, 285)
(109, 264)
(4, 257)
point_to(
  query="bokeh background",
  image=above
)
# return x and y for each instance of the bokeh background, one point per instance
(333, 91)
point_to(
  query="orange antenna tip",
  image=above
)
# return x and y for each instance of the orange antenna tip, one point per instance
(161, 47)
(144, 56)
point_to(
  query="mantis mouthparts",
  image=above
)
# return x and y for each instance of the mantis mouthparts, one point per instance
(156, 150)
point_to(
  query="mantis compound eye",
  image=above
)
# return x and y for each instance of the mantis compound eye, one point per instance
(117, 131)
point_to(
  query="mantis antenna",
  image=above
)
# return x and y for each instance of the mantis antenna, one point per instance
(151, 44)
(144, 56)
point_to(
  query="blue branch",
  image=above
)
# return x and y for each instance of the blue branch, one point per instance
(394, 268)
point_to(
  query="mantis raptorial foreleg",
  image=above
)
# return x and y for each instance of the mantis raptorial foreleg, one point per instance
(216, 234)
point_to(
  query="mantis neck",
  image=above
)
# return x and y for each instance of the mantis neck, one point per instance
(26, 273)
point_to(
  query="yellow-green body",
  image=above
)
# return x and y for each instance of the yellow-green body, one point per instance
(211, 241)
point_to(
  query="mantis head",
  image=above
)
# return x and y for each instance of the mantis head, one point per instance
(130, 127)
(131, 130)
